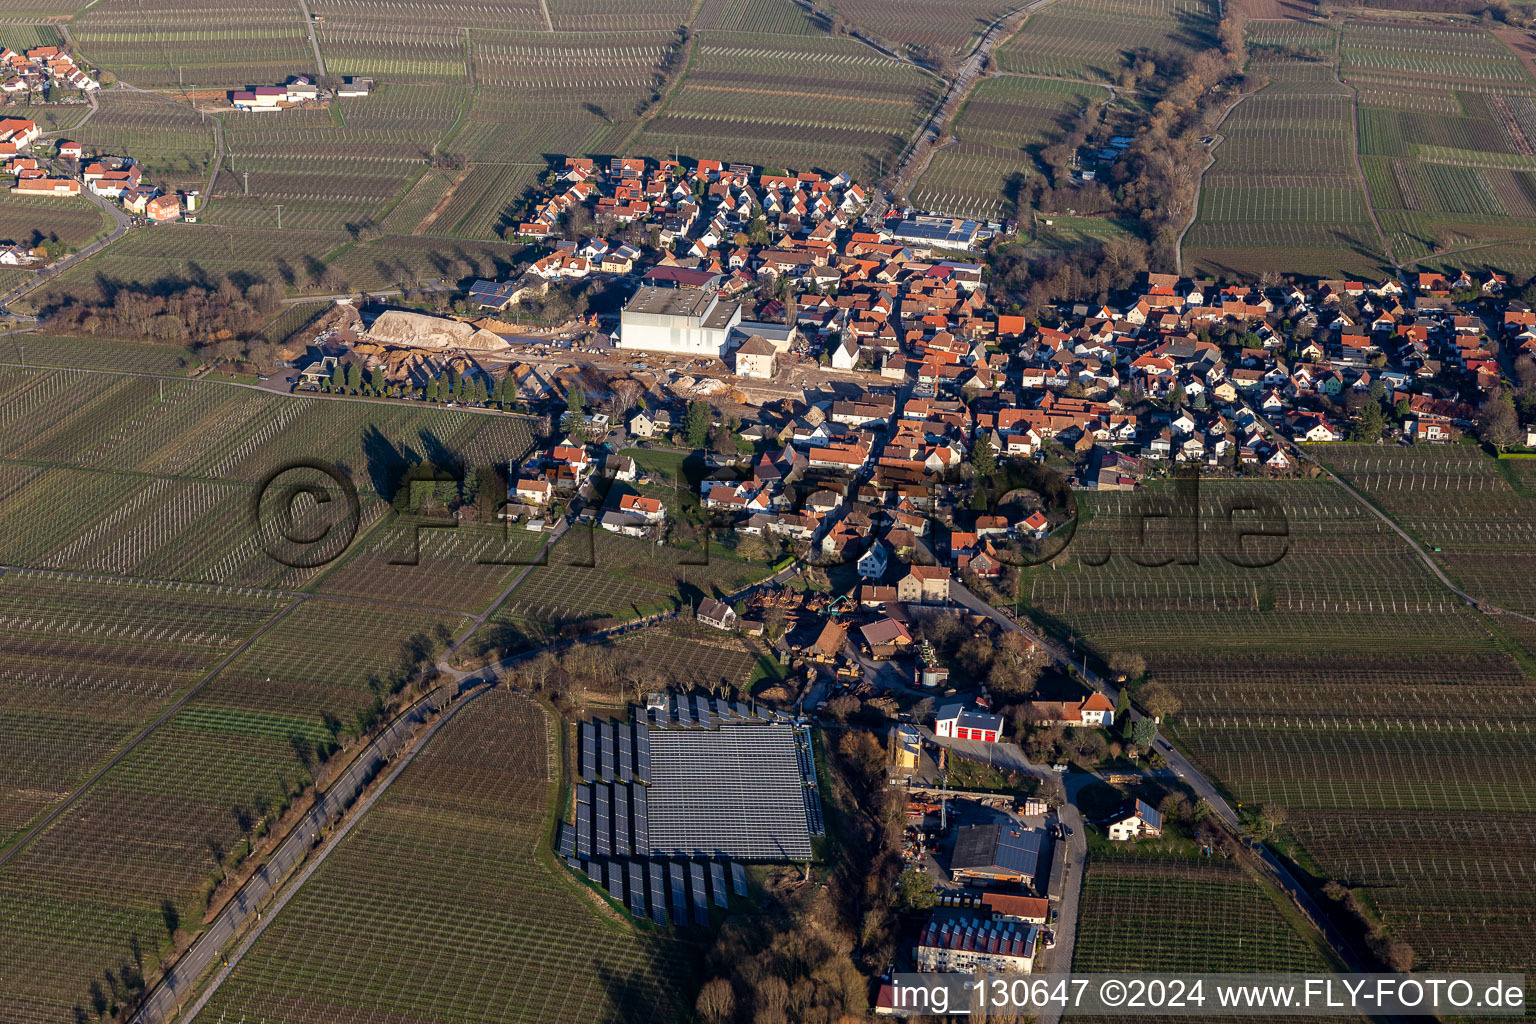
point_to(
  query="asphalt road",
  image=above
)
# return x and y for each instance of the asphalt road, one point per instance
(164, 1000)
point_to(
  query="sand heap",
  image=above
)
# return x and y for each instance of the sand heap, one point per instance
(417, 330)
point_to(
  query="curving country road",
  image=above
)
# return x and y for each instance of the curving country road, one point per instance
(1477, 603)
(920, 150)
(1185, 771)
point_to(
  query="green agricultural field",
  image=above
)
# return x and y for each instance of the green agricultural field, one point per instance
(1283, 193)
(799, 102)
(1005, 124)
(1096, 38)
(595, 579)
(1343, 681)
(155, 827)
(397, 922)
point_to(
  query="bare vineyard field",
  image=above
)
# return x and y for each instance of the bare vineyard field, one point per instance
(689, 656)
(1094, 38)
(405, 260)
(157, 825)
(173, 142)
(1344, 682)
(790, 101)
(364, 940)
(1478, 512)
(34, 221)
(1005, 123)
(1283, 191)
(170, 46)
(84, 663)
(1457, 168)
(596, 579)
(198, 253)
(43, 350)
(952, 25)
(155, 477)
(1174, 914)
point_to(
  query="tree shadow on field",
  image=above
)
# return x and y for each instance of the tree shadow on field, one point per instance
(656, 988)
(384, 460)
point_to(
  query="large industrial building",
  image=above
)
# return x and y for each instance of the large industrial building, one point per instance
(682, 321)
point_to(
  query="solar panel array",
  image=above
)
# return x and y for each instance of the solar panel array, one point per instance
(610, 751)
(736, 791)
(710, 782)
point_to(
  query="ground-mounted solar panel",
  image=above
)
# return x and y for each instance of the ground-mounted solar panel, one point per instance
(722, 708)
(616, 880)
(739, 879)
(583, 822)
(626, 763)
(742, 711)
(643, 753)
(675, 877)
(735, 792)
(700, 898)
(637, 888)
(658, 892)
(608, 731)
(813, 812)
(621, 832)
(717, 884)
(588, 751)
(640, 826)
(567, 840)
(701, 712)
(684, 712)
(595, 871)
(602, 828)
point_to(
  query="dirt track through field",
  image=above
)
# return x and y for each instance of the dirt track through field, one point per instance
(442, 204)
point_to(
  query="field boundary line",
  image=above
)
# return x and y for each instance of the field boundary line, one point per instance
(287, 885)
(1354, 150)
(59, 808)
(1210, 161)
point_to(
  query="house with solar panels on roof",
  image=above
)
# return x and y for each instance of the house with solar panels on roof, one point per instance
(1006, 853)
(972, 944)
(1135, 819)
(672, 802)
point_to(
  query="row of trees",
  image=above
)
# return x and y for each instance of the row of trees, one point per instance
(195, 314)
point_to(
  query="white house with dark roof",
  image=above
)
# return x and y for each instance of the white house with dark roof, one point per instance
(958, 722)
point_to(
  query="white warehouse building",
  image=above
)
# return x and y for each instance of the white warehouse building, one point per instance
(682, 321)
